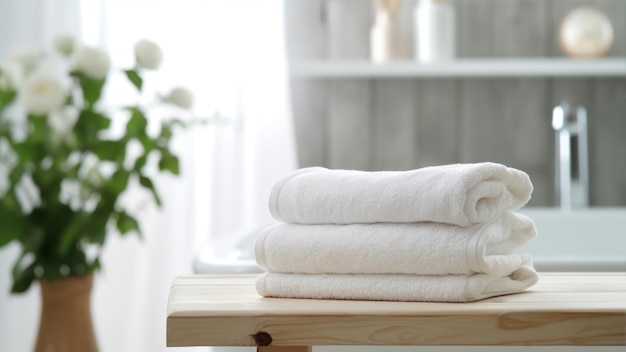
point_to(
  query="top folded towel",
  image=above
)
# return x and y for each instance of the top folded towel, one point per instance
(457, 194)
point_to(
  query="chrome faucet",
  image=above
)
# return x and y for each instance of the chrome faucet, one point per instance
(572, 158)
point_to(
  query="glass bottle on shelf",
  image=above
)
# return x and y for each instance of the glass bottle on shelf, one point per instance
(387, 37)
(434, 23)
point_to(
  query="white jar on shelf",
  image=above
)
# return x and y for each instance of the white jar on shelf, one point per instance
(435, 27)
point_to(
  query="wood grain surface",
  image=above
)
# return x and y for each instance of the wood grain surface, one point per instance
(562, 309)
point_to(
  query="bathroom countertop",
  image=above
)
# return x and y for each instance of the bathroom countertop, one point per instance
(562, 309)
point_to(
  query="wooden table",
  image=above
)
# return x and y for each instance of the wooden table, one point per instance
(587, 309)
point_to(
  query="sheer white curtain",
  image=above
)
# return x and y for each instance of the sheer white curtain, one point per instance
(231, 55)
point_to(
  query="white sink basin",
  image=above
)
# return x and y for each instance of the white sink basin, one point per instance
(589, 239)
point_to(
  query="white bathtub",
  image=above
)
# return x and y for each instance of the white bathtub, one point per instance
(589, 239)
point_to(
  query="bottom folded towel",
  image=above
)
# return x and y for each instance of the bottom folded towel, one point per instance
(410, 288)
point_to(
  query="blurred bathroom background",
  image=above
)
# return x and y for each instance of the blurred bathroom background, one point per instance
(402, 123)
(241, 58)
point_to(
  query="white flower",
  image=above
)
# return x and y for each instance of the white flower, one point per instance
(70, 194)
(27, 56)
(62, 121)
(64, 44)
(94, 178)
(8, 160)
(148, 54)
(92, 62)
(42, 93)
(12, 76)
(180, 97)
(27, 194)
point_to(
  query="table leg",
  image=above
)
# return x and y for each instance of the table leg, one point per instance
(284, 349)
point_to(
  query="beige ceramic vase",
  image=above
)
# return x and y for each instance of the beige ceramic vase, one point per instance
(66, 323)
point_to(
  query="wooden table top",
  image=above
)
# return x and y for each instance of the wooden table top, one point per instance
(562, 309)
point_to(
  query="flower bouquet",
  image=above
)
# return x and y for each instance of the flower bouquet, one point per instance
(63, 168)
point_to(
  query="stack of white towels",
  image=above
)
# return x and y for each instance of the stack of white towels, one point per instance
(438, 234)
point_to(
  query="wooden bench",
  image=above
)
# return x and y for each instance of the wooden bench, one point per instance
(584, 309)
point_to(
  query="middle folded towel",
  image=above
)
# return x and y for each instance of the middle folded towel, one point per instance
(390, 248)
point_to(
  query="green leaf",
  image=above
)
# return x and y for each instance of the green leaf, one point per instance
(110, 150)
(119, 181)
(92, 88)
(33, 238)
(96, 234)
(47, 182)
(16, 174)
(89, 125)
(140, 162)
(137, 124)
(11, 224)
(6, 97)
(169, 162)
(39, 135)
(72, 232)
(99, 121)
(22, 277)
(126, 223)
(62, 222)
(147, 183)
(95, 265)
(148, 143)
(134, 78)
(96, 224)
(6, 236)
(26, 152)
(34, 235)
(137, 128)
(166, 131)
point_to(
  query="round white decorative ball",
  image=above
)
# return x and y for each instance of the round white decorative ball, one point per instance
(586, 32)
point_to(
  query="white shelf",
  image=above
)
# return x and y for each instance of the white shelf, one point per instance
(500, 67)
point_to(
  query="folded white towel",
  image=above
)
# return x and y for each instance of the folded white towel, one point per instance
(385, 248)
(446, 288)
(458, 194)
